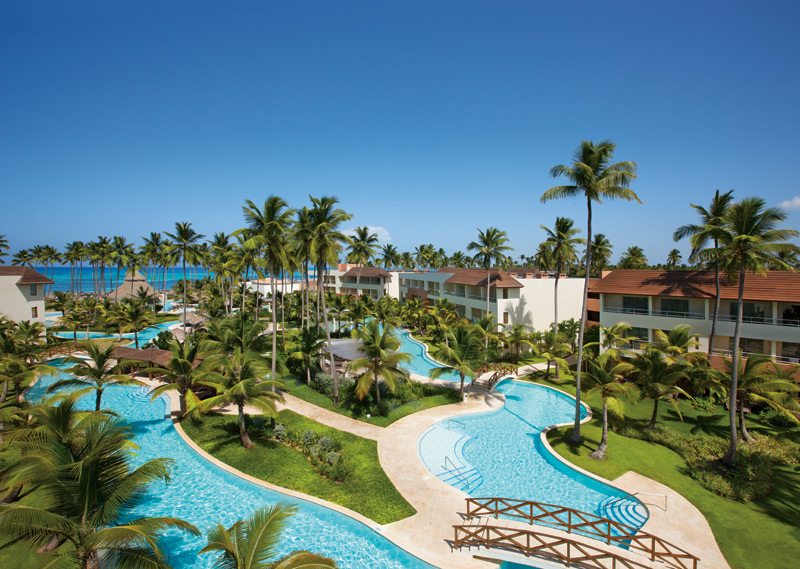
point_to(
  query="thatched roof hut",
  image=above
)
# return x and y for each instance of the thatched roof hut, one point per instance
(130, 287)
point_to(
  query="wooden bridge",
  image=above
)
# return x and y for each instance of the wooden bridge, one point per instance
(565, 549)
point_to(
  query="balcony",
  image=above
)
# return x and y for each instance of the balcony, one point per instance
(679, 314)
(620, 310)
(779, 359)
(469, 296)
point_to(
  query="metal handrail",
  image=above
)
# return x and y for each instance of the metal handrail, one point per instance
(454, 470)
(680, 314)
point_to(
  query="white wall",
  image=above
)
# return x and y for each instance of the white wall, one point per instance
(16, 300)
(535, 307)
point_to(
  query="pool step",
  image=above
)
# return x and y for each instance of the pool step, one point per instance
(466, 478)
(626, 510)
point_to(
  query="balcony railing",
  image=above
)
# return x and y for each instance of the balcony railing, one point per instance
(469, 296)
(680, 314)
(746, 319)
(620, 310)
(780, 359)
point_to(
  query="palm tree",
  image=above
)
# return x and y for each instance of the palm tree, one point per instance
(390, 257)
(135, 316)
(594, 177)
(459, 260)
(238, 379)
(309, 349)
(186, 241)
(462, 355)
(121, 253)
(518, 339)
(712, 227)
(601, 254)
(87, 515)
(762, 382)
(181, 373)
(633, 258)
(95, 374)
(490, 245)
(562, 252)
(327, 242)
(362, 248)
(381, 360)
(752, 241)
(20, 374)
(604, 376)
(553, 349)
(674, 259)
(658, 376)
(3, 249)
(251, 543)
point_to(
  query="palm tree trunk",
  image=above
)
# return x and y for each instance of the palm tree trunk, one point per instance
(461, 387)
(716, 301)
(733, 391)
(742, 424)
(600, 453)
(136, 336)
(97, 398)
(575, 437)
(244, 436)
(182, 401)
(547, 371)
(274, 326)
(13, 495)
(334, 378)
(555, 314)
(654, 416)
(308, 373)
(184, 294)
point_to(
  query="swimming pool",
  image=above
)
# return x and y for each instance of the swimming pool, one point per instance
(421, 363)
(203, 494)
(145, 335)
(500, 453)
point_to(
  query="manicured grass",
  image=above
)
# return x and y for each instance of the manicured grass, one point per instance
(22, 555)
(300, 390)
(751, 535)
(366, 489)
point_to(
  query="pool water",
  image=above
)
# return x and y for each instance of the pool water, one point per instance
(145, 335)
(205, 495)
(500, 453)
(421, 363)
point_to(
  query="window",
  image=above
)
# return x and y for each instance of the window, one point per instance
(34, 312)
(749, 345)
(34, 290)
(635, 304)
(505, 293)
(505, 317)
(791, 351)
(674, 306)
(751, 312)
(641, 336)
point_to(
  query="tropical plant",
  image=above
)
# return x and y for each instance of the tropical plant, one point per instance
(135, 317)
(3, 249)
(633, 258)
(310, 343)
(490, 245)
(594, 177)
(605, 377)
(462, 355)
(252, 543)
(18, 373)
(658, 377)
(674, 259)
(601, 254)
(181, 373)
(381, 360)
(187, 247)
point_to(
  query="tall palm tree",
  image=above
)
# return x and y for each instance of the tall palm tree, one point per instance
(562, 245)
(308, 349)
(658, 377)
(93, 487)
(135, 317)
(390, 257)
(633, 258)
(674, 259)
(604, 376)
(251, 543)
(97, 373)
(3, 249)
(752, 241)
(601, 254)
(238, 379)
(381, 360)
(462, 355)
(712, 227)
(362, 248)
(181, 373)
(121, 253)
(490, 245)
(187, 242)
(327, 243)
(594, 177)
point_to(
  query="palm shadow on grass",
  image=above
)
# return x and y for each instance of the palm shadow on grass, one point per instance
(701, 424)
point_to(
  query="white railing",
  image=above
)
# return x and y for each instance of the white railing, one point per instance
(680, 314)
(781, 359)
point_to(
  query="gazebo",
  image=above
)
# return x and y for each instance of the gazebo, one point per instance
(130, 287)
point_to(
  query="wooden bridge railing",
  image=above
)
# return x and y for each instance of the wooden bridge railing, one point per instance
(584, 523)
(543, 545)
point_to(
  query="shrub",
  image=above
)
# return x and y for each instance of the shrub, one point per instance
(777, 418)
(280, 432)
(704, 404)
(328, 444)
(309, 438)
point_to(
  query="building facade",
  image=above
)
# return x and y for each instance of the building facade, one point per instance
(651, 300)
(362, 281)
(22, 294)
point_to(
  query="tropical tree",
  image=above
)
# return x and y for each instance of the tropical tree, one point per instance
(752, 241)
(362, 248)
(562, 245)
(309, 349)
(251, 543)
(390, 257)
(658, 377)
(462, 355)
(97, 373)
(554, 349)
(3, 249)
(238, 379)
(633, 258)
(593, 176)
(490, 245)
(605, 377)
(674, 259)
(712, 228)
(135, 317)
(601, 254)
(18, 373)
(93, 487)
(381, 360)
(517, 339)
(181, 373)
(187, 247)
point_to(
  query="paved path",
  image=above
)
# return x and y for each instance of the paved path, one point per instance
(331, 418)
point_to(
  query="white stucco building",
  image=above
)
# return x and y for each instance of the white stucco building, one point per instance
(364, 281)
(22, 294)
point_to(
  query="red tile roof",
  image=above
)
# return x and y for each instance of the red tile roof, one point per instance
(477, 277)
(367, 272)
(774, 286)
(27, 275)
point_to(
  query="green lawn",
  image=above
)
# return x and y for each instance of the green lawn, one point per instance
(367, 489)
(300, 390)
(751, 535)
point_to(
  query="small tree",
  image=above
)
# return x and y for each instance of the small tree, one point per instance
(604, 376)
(381, 360)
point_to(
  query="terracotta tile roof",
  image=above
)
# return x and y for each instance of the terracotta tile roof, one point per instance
(367, 272)
(775, 286)
(27, 275)
(477, 277)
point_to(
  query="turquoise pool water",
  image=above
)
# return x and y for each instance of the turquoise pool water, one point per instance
(500, 453)
(144, 336)
(204, 495)
(421, 363)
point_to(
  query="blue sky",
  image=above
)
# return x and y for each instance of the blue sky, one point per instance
(427, 119)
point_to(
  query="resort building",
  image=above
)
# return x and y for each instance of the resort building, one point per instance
(22, 294)
(362, 281)
(652, 300)
(527, 298)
